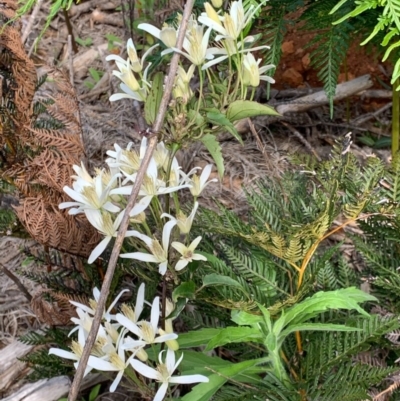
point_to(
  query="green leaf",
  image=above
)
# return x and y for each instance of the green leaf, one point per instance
(204, 391)
(153, 101)
(267, 316)
(94, 392)
(184, 290)
(214, 147)
(234, 335)
(345, 298)
(318, 327)
(217, 118)
(196, 338)
(245, 108)
(179, 306)
(198, 363)
(243, 318)
(84, 42)
(95, 74)
(217, 279)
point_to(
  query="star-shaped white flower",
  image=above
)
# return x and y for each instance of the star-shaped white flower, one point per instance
(159, 253)
(88, 196)
(144, 330)
(91, 309)
(103, 222)
(195, 44)
(188, 253)
(75, 355)
(196, 183)
(113, 361)
(252, 73)
(163, 373)
(184, 223)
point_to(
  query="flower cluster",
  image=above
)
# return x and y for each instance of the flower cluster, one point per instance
(103, 199)
(230, 42)
(122, 340)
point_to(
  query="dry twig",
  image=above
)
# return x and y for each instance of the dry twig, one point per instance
(132, 200)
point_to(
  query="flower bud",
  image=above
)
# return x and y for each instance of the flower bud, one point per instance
(217, 3)
(171, 344)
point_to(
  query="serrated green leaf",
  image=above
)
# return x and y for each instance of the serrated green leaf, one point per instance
(217, 279)
(196, 338)
(245, 108)
(345, 298)
(220, 119)
(243, 318)
(184, 290)
(318, 327)
(204, 391)
(234, 335)
(214, 147)
(153, 101)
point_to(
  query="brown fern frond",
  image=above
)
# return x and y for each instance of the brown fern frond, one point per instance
(385, 394)
(55, 228)
(67, 143)
(52, 312)
(52, 170)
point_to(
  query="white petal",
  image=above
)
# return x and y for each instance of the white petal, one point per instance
(162, 267)
(151, 29)
(101, 364)
(75, 195)
(181, 248)
(182, 263)
(63, 354)
(155, 313)
(99, 249)
(145, 370)
(167, 233)
(139, 301)
(197, 256)
(144, 257)
(205, 174)
(116, 381)
(189, 379)
(64, 205)
(166, 337)
(194, 243)
(161, 392)
(131, 326)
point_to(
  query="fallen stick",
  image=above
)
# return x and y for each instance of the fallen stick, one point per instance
(76, 10)
(343, 91)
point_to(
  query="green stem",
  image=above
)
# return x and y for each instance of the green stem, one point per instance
(175, 148)
(201, 89)
(395, 118)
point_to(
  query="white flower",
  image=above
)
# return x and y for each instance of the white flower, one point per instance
(135, 63)
(197, 184)
(230, 26)
(196, 44)
(75, 355)
(91, 309)
(163, 373)
(134, 314)
(159, 253)
(168, 35)
(181, 86)
(252, 73)
(145, 331)
(116, 361)
(152, 186)
(184, 223)
(104, 223)
(187, 253)
(83, 177)
(90, 197)
(126, 160)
